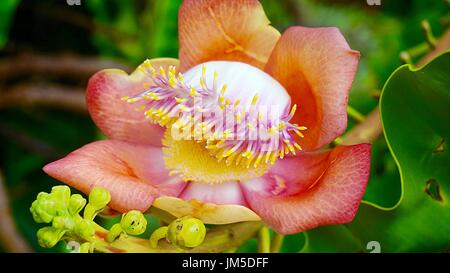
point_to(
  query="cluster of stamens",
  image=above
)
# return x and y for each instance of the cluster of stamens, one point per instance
(242, 135)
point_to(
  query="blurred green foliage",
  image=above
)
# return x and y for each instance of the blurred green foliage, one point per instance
(131, 31)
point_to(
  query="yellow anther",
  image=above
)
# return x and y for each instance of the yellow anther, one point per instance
(125, 98)
(298, 146)
(172, 70)
(131, 100)
(216, 75)
(255, 100)
(203, 70)
(268, 156)
(193, 92)
(228, 153)
(291, 148)
(180, 100)
(184, 108)
(147, 64)
(237, 102)
(153, 72)
(273, 159)
(180, 77)
(282, 153)
(260, 117)
(281, 126)
(202, 83)
(153, 96)
(238, 117)
(250, 126)
(140, 108)
(172, 82)
(221, 100)
(224, 89)
(258, 160)
(162, 72)
(299, 133)
(294, 108)
(272, 130)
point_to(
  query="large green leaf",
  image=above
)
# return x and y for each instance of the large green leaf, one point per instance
(415, 113)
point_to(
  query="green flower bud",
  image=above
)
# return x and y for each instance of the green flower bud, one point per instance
(84, 228)
(186, 232)
(134, 222)
(61, 195)
(113, 233)
(44, 208)
(40, 215)
(48, 237)
(99, 198)
(85, 247)
(76, 204)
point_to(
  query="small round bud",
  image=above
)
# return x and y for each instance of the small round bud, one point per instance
(99, 198)
(76, 204)
(85, 228)
(186, 231)
(113, 233)
(48, 237)
(134, 222)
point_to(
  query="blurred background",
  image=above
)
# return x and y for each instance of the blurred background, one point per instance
(48, 50)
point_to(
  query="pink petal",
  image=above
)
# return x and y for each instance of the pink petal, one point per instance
(118, 119)
(317, 67)
(134, 174)
(223, 193)
(328, 194)
(235, 30)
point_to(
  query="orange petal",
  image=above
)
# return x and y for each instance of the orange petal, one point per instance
(235, 30)
(317, 67)
(118, 119)
(325, 189)
(134, 174)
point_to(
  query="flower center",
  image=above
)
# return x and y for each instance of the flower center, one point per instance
(193, 162)
(225, 120)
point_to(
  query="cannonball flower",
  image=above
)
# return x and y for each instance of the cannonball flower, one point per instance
(284, 98)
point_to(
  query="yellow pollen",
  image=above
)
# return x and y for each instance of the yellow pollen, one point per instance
(193, 162)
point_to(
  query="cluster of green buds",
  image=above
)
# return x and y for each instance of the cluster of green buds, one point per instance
(62, 210)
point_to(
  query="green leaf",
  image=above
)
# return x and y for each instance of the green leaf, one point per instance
(415, 114)
(7, 9)
(331, 239)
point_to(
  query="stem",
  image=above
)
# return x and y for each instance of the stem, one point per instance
(218, 239)
(365, 132)
(355, 114)
(264, 240)
(429, 37)
(277, 242)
